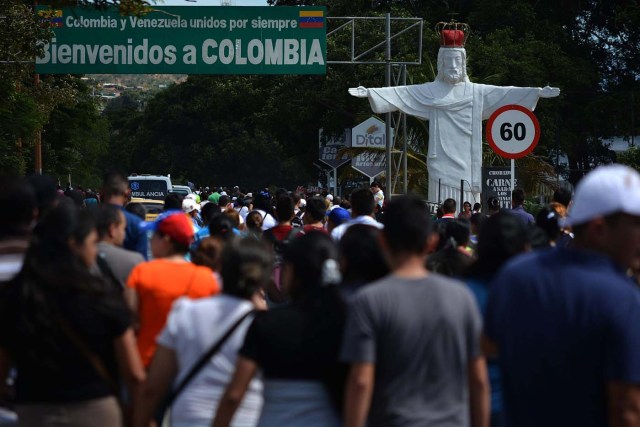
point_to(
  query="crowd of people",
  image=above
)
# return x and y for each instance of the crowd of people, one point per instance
(250, 309)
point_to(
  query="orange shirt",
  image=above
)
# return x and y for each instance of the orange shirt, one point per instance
(158, 284)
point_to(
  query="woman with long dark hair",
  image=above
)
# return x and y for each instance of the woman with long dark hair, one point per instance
(362, 260)
(502, 237)
(296, 346)
(66, 331)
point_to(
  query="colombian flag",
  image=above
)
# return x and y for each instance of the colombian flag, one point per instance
(311, 19)
(52, 18)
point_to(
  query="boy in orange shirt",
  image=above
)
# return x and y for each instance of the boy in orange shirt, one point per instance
(153, 286)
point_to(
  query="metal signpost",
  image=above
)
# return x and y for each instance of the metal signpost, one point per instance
(513, 132)
(328, 153)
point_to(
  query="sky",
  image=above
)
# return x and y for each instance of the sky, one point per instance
(211, 3)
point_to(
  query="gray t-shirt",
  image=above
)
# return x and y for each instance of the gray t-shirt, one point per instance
(121, 261)
(421, 334)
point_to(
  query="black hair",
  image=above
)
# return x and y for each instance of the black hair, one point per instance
(477, 219)
(285, 208)
(307, 255)
(449, 206)
(477, 206)
(252, 220)
(106, 215)
(362, 202)
(502, 236)
(281, 192)
(221, 226)
(18, 206)
(137, 209)
(208, 211)
(449, 261)
(262, 202)
(296, 196)
(547, 220)
(493, 205)
(76, 196)
(458, 230)
(316, 208)
(114, 184)
(362, 257)
(407, 225)
(51, 272)
(173, 201)
(246, 267)
(466, 203)
(562, 196)
(518, 196)
(46, 192)
(223, 201)
(538, 238)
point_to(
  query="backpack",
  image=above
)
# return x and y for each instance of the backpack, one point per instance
(279, 247)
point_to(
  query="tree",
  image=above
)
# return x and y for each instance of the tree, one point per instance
(75, 138)
(631, 157)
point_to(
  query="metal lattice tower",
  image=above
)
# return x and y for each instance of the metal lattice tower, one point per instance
(395, 75)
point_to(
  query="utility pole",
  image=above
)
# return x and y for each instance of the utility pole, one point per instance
(38, 138)
(389, 118)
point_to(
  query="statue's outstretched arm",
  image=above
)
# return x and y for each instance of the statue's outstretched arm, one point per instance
(359, 92)
(549, 92)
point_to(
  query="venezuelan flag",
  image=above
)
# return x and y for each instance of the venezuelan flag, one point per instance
(311, 19)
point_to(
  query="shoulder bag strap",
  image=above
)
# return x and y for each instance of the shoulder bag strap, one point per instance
(107, 271)
(95, 361)
(204, 359)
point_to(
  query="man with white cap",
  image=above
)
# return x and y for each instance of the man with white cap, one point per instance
(191, 208)
(565, 322)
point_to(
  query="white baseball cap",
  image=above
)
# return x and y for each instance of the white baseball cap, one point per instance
(604, 191)
(190, 205)
(329, 197)
(191, 196)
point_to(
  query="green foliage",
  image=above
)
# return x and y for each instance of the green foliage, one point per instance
(75, 138)
(260, 130)
(631, 157)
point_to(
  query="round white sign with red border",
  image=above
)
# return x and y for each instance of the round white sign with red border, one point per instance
(513, 131)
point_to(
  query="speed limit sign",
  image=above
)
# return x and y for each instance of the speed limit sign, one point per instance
(513, 131)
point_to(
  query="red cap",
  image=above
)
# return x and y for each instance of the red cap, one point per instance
(175, 224)
(179, 227)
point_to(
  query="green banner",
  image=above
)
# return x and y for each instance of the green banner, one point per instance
(186, 40)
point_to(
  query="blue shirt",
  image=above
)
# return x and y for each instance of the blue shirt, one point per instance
(525, 216)
(480, 290)
(566, 323)
(135, 239)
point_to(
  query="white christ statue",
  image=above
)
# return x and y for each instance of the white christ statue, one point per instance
(455, 108)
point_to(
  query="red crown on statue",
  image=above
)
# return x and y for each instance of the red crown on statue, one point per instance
(452, 34)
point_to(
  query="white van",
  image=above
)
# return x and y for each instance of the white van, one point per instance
(183, 190)
(155, 187)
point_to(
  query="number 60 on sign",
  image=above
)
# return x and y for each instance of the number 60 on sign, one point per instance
(513, 131)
